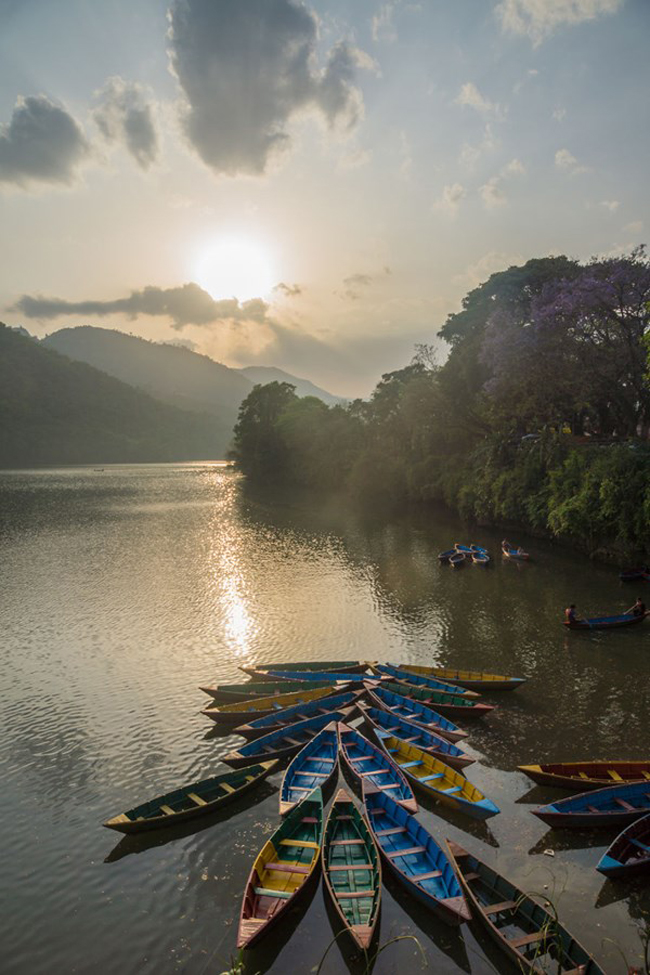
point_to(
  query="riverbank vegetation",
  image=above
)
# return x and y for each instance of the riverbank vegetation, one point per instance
(538, 418)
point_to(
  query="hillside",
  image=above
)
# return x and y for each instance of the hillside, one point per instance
(57, 411)
(269, 374)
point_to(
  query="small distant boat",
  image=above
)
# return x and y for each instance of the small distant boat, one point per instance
(454, 705)
(386, 723)
(317, 666)
(367, 762)
(479, 548)
(313, 767)
(191, 801)
(516, 554)
(282, 871)
(630, 851)
(522, 928)
(438, 780)
(285, 741)
(464, 549)
(390, 670)
(240, 712)
(445, 556)
(614, 806)
(475, 680)
(582, 776)
(299, 712)
(632, 575)
(481, 558)
(415, 711)
(352, 870)
(411, 853)
(605, 622)
(227, 693)
(457, 560)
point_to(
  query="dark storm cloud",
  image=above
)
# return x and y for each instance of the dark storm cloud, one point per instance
(123, 115)
(41, 143)
(185, 305)
(246, 69)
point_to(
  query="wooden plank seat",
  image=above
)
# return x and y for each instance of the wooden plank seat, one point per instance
(318, 775)
(418, 877)
(340, 819)
(287, 867)
(267, 892)
(411, 764)
(624, 805)
(357, 866)
(614, 775)
(354, 893)
(375, 771)
(646, 775)
(405, 853)
(224, 785)
(299, 788)
(391, 831)
(317, 760)
(642, 846)
(363, 758)
(307, 844)
(452, 791)
(471, 876)
(583, 775)
(434, 775)
(166, 809)
(308, 819)
(294, 741)
(346, 842)
(387, 788)
(501, 906)
(592, 809)
(527, 939)
(201, 802)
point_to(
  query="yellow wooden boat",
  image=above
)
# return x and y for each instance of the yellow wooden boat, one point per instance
(474, 680)
(241, 712)
(438, 780)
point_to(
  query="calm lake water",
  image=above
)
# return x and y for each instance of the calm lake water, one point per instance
(124, 589)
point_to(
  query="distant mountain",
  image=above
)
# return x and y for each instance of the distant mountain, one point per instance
(57, 411)
(269, 374)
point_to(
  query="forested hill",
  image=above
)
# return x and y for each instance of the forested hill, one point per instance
(303, 387)
(57, 411)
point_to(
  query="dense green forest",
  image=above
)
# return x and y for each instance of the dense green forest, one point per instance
(539, 416)
(57, 411)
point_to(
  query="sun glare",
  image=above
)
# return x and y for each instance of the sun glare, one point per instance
(234, 267)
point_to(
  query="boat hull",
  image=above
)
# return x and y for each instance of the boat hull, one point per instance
(475, 680)
(285, 742)
(616, 806)
(605, 622)
(583, 776)
(629, 853)
(435, 745)
(366, 762)
(313, 767)
(416, 712)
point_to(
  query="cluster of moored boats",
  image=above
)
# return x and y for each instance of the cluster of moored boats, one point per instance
(303, 713)
(460, 555)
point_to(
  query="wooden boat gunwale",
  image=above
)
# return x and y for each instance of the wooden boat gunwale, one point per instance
(299, 760)
(559, 774)
(629, 852)
(592, 809)
(384, 760)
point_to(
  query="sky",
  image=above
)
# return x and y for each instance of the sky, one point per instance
(310, 186)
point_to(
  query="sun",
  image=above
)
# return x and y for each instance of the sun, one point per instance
(235, 267)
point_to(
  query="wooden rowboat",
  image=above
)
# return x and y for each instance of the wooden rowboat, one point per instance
(307, 676)
(454, 705)
(227, 693)
(615, 806)
(318, 666)
(421, 680)
(241, 712)
(475, 680)
(415, 711)
(410, 852)
(481, 558)
(445, 556)
(457, 560)
(632, 575)
(605, 622)
(313, 767)
(285, 741)
(283, 870)
(515, 554)
(192, 800)
(299, 712)
(366, 762)
(386, 723)
(464, 549)
(521, 927)
(630, 852)
(438, 780)
(581, 776)
(352, 870)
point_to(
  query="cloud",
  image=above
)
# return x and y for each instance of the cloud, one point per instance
(610, 205)
(42, 143)
(514, 168)
(288, 290)
(470, 155)
(451, 198)
(123, 115)
(559, 114)
(247, 70)
(471, 96)
(492, 193)
(185, 305)
(538, 19)
(355, 283)
(636, 227)
(566, 161)
(382, 26)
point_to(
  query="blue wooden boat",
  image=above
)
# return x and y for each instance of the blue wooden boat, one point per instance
(605, 622)
(531, 936)
(481, 558)
(464, 549)
(479, 548)
(297, 712)
(415, 711)
(307, 676)
(312, 768)
(420, 680)
(437, 780)
(514, 554)
(230, 693)
(367, 762)
(285, 741)
(410, 852)
(453, 705)
(387, 723)
(632, 575)
(615, 806)
(630, 852)
(457, 560)
(445, 556)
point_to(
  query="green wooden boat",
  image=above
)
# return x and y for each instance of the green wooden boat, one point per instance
(352, 870)
(449, 705)
(192, 800)
(336, 666)
(228, 693)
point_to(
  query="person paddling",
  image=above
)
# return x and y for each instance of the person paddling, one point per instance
(570, 614)
(638, 609)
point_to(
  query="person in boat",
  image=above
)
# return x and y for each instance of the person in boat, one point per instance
(570, 614)
(638, 609)
(506, 544)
